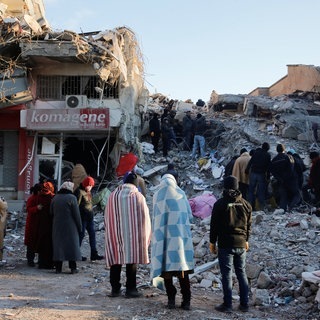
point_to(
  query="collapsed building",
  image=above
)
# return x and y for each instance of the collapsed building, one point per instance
(64, 97)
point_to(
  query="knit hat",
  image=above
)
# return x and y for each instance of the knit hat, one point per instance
(231, 182)
(129, 177)
(88, 181)
(68, 185)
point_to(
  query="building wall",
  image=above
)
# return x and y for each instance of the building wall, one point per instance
(299, 78)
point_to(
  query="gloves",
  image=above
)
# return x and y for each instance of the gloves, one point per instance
(213, 248)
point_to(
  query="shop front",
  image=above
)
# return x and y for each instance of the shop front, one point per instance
(57, 139)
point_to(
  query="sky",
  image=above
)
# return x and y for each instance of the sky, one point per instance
(191, 48)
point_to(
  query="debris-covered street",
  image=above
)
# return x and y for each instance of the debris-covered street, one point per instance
(283, 251)
(69, 99)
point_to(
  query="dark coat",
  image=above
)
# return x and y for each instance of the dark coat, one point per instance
(231, 220)
(187, 124)
(66, 227)
(154, 126)
(282, 168)
(200, 126)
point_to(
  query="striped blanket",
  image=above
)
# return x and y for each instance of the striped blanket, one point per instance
(127, 226)
(172, 247)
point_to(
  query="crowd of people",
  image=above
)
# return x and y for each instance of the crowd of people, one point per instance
(57, 220)
(278, 181)
(165, 128)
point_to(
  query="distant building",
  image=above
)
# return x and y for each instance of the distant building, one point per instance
(299, 78)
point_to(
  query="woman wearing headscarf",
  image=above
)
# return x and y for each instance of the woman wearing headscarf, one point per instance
(127, 234)
(66, 228)
(44, 238)
(84, 197)
(32, 223)
(172, 247)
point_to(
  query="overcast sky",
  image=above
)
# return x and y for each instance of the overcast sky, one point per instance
(193, 47)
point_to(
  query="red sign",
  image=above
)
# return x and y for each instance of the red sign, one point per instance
(68, 119)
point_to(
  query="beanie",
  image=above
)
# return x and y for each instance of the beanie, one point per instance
(129, 177)
(230, 182)
(88, 181)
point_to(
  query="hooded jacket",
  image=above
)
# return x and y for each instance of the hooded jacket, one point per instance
(231, 220)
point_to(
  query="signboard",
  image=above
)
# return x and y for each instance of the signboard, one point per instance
(68, 119)
(28, 173)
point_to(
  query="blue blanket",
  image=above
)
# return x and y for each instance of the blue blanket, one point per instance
(172, 247)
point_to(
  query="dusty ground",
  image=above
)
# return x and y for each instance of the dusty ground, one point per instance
(31, 293)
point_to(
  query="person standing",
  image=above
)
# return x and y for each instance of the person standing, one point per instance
(258, 170)
(187, 124)
(199, 140)
(84, 197)
(282, 168)
(66, 228)
(155, 131)
(127, 235)
(32, 223)
(314, 179)
(239, 171)
(165, 133)
(172, 248)
(230, 228)
(44, 234)
(171, 125)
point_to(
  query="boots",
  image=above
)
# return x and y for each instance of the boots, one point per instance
(171, 302)
(95, 256)
(185, 304)
(171, 293)
(186, 293)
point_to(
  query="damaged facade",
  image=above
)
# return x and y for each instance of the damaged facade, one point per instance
(64, 97)
(288, 108)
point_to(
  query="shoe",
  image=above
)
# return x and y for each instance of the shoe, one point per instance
(133, 294)
(185, 305)
(95, 256)
(171, 304)
(58, 271)
(31, 264)
(83, 258)
(223, 308)
(114, 294)
(244, 307)
(73, 271)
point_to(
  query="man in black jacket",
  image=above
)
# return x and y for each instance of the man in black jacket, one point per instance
(199, 140)
(258, 170)
(230, 227)
(282, 168)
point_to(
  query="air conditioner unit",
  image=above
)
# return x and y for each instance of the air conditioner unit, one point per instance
(77, 101)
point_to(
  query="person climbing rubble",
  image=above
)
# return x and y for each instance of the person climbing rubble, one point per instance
(199, 140)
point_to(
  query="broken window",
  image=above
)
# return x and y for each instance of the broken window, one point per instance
(58, 87)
